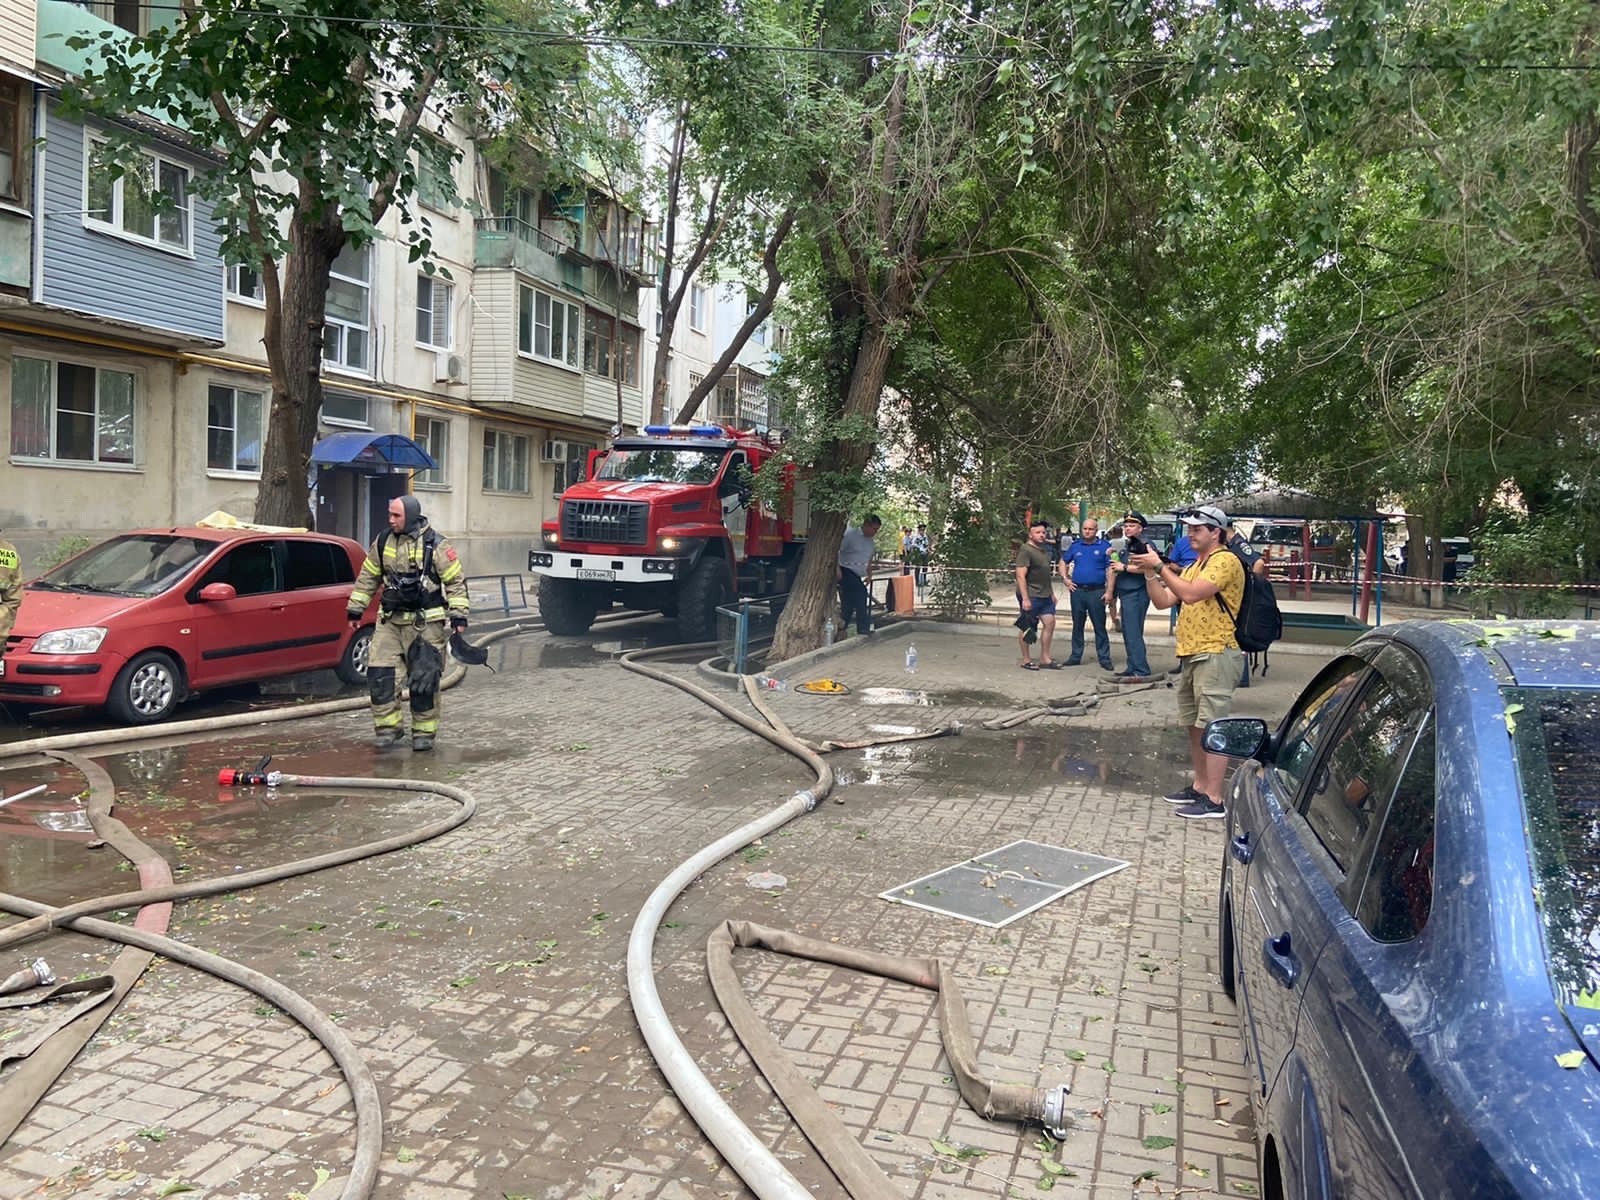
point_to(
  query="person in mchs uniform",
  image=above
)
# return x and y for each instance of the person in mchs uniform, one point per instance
(10, 594)
(422, 590)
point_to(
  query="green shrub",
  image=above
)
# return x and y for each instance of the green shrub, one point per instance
(1520, 550)
(64, 549)
(968, 541)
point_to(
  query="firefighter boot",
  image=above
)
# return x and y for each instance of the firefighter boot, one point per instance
(422, 741)
(386, 737)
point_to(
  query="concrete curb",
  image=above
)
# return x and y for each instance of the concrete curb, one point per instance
(933, 627)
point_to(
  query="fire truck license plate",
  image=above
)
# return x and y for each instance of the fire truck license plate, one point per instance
(590, 573)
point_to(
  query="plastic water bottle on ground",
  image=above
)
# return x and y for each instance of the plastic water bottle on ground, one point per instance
(827, 632)
(911, 659)
(769, 684)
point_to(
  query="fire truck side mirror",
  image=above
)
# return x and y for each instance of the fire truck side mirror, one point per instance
(596, 457)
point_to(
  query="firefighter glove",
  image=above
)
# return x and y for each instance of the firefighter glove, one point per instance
(457, 624)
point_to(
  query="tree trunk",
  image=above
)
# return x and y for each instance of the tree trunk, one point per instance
(294, 350)
(815, 588)
(668, 311)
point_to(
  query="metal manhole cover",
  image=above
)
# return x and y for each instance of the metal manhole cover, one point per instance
(1008, 882)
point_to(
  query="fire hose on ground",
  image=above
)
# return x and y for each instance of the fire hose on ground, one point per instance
(838, 1148)
(146, 938)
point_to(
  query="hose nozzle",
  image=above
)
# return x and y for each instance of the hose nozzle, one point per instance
(36, 974)
(260, 777)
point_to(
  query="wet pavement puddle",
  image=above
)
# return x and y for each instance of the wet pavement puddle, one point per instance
(975, 759)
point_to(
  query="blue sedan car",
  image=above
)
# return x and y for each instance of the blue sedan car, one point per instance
(1410, 916)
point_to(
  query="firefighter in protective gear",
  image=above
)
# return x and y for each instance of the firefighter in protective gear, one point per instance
(421, 586)
(10, 591)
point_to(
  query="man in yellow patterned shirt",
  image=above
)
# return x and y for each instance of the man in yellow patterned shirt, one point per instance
(1211, 590)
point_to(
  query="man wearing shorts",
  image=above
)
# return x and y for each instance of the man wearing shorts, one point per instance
(1036, 598)
(1207, 648)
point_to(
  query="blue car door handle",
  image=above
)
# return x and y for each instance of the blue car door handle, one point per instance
(1241, 849)
(1280, 959)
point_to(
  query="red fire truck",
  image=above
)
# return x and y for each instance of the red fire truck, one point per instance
(667, 521)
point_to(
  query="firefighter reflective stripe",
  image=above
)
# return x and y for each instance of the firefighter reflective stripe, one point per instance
(393, 554)
(10, 588)
(367, 583)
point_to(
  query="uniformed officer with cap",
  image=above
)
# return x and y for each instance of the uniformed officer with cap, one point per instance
(422, 586)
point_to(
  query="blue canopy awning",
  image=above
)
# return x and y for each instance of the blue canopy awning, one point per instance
(374, 452)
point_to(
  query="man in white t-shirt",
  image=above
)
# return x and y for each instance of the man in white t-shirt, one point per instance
(856, 552)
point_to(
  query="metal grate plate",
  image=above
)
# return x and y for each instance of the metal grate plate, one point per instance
(1008, 882)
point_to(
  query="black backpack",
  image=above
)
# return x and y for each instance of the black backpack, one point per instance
(1258, 623)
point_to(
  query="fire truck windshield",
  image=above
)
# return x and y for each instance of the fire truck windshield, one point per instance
(663, 464)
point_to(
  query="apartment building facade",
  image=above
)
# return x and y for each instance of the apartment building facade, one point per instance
(134, 388)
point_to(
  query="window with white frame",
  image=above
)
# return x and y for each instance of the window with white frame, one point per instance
(505, 461)
(347, 322)
(435, 299)
(697, 308)
(236, 424)
(341, 408)
(148, 200)
(547, 328)
(433, 435)
(435, 170)
(244, 283)
(695, 380)
(70, 412)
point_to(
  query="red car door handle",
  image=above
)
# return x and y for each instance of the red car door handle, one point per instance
(1280, 959)
(279, 606)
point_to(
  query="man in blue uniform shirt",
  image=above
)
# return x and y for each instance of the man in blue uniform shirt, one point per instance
(1083, 567)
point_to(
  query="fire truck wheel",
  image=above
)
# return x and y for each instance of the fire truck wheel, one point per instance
(565, 606)
(702, 592)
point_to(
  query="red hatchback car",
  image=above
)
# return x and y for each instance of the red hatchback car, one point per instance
(142, 620)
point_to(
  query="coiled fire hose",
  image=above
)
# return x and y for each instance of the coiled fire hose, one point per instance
(34, 1077)
(839, 1150)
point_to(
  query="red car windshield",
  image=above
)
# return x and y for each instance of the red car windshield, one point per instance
(143, 564)
(1557, 733)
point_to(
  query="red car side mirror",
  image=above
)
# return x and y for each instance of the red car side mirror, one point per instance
(217, 591)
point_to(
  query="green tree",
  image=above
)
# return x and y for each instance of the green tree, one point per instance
(1393, 241)
(320, 121)
(902, 136)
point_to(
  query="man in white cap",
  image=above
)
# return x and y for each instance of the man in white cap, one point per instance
(1211, 590)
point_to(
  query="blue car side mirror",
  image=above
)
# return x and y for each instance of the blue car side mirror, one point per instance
(1237, 737)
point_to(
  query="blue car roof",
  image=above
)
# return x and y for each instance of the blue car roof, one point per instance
(1536, 654)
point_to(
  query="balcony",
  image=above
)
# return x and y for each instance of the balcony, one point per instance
(542, 252)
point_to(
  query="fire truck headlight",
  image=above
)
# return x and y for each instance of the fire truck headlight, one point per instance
(552, 538)
(671, 543)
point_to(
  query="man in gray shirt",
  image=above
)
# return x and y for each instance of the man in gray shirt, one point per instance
(856, 552)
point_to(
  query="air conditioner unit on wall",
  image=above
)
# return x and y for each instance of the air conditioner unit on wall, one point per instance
(449, 368)
(554, 452)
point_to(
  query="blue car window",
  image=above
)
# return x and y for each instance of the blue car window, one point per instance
(1557, 738)
(1397, 897)
(1353, 786)
(1310, 723)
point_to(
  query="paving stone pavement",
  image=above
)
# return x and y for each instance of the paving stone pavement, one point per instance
(482, 974)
